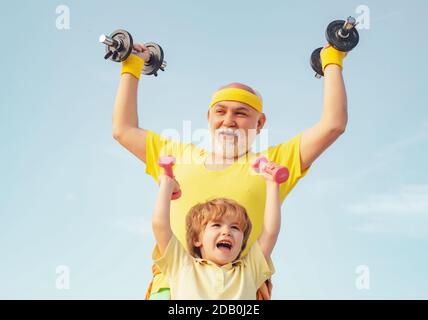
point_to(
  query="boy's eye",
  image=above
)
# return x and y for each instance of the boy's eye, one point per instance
(215, 225)
(235, 227)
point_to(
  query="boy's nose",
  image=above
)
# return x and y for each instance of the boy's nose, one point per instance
(225, 230)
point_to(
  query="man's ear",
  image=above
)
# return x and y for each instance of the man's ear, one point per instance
(208, 113)
(261, 122)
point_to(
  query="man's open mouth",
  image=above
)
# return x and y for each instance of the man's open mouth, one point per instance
(227, 135)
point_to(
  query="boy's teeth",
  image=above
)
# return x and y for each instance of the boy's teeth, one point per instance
(224, 245)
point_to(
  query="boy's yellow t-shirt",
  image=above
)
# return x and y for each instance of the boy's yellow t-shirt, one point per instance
(238, 182)
(194, 278)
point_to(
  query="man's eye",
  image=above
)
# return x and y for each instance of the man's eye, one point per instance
(241, 113)
(219, 111)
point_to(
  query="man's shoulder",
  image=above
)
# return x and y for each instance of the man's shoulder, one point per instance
(174, 142)
(285, 143)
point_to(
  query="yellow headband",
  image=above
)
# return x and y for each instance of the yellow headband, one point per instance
(234, 94)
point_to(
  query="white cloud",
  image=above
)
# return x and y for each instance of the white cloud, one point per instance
(408, 201)
(383, 160)
(399, 145)
(404, 212)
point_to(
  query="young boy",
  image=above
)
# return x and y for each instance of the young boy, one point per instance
(217, 232)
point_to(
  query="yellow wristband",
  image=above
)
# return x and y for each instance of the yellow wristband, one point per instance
(133, 65)
(331, 55)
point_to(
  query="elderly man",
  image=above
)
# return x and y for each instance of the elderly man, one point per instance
(235, 116)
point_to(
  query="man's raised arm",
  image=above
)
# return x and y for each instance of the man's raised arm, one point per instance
(125, 116)
(334, 118)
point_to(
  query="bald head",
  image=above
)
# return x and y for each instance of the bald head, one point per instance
(242, 86)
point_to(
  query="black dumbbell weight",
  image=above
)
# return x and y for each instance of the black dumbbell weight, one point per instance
(156, 61)
(340, 34)
(119, 45)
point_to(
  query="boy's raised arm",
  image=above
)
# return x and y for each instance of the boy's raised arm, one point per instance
(272, 219)
(161, 221)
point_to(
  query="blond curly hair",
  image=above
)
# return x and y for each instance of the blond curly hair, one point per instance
(202, 213)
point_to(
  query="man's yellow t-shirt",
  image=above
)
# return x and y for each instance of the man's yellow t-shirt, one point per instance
(238, 182)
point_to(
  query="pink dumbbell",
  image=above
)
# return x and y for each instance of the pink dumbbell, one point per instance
(279, 173)
(166, 162)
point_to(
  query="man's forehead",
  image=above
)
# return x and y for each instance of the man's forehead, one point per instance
(233, 105)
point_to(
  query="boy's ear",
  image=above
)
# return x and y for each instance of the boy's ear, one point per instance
(197, 243)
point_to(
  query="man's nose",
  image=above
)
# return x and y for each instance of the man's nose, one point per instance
(229, 120)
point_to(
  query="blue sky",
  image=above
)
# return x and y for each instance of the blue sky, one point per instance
(71, 195)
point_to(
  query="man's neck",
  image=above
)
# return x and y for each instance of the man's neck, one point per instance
(215, 161)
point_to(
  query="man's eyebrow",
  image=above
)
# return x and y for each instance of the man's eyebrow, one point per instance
(235, 109)
(242, 108)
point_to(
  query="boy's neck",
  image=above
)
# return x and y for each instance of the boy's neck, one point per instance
(215, 263)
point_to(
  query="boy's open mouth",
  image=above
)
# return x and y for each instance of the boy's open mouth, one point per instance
(224, 244)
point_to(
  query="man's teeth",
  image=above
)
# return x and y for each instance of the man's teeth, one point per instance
(228, 133)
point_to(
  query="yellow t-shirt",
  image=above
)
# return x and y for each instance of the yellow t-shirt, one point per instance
(238, 182)
(194, 278)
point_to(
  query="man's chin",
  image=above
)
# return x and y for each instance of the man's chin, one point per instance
(231, 155)
(230, 152)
